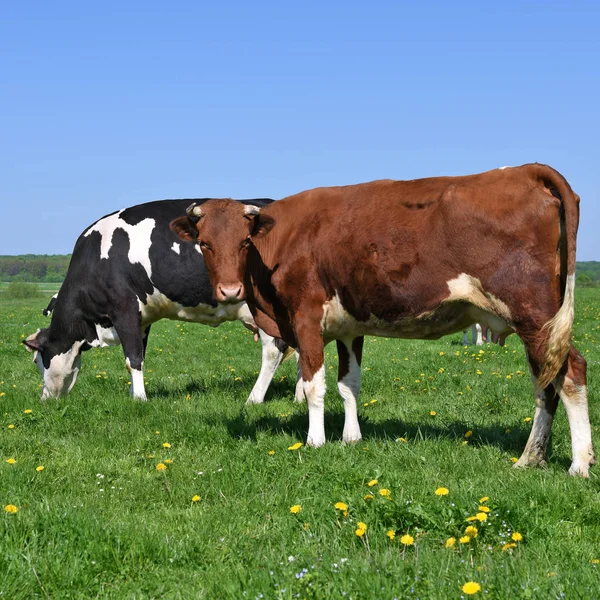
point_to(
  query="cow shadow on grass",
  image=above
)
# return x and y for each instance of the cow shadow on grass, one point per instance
(391, 430)
(277, 389)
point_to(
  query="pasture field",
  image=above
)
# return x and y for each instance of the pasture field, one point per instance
(100, 521)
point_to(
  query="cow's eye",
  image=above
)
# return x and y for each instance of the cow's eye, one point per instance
(245, 243)
(205, 246)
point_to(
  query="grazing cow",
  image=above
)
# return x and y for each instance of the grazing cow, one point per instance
(389, 258)
(128, 271)
(48, 310)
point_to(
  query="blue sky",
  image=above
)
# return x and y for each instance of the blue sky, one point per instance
(107, 105)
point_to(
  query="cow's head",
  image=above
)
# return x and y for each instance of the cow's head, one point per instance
(59, 366)
(224, 230)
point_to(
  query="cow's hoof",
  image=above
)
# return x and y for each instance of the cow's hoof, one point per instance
(579, 470)
(254, 400)
(529, 461)
(315, 442)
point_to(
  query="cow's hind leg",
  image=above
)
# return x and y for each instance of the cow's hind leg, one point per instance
(350, 357)
(573, 393)
(273, 350)
(129, 329)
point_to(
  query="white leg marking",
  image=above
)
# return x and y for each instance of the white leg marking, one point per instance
(349, 388)
(271, 358)
(299, 393)
(535, 449)
(574, 398)
(314, 391)
(476, 334)
(137, 389)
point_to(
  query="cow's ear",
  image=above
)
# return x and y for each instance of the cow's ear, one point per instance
(33, 343)
(261, 225)
(185, 228)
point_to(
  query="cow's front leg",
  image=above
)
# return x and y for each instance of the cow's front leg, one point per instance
(130, 334)
(299, 393)
(273, 350)
(350, 357)
(310, 347)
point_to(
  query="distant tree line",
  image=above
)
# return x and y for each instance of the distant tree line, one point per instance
(52, 268)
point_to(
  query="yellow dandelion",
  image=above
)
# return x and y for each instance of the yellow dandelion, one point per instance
(368, 497)
(465, 539)
(295, 509)
(11, 461)
(450, 542)
(11, 426)
(11, 508)
(516, 536)
(432, 413)
(401, 439)
(271, 452)
(391, 534)
(166, 445)
(484, 499)
(595, 561)
(470, 588)
(473, 518)
(469, 433)
(168, 461)
(295, 446)
(27, 411)
(341, 506)
(514, 459)
(481, 516)
(361, 525)
(407, 540)
(442, 353)
(507, 547)
(527, 419)
(385, 492)
(360, 532)
(551, 573)
(372, 482)
(471, 531)
(40, 468)
(442, 491)
(196, 498)
(161, 467)
(484, 509)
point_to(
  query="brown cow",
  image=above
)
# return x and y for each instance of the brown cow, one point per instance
(391, 258)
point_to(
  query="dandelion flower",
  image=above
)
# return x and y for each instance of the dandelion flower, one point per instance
(166, 445)
(516, 536)
(469, 433)
(481, 516)
(341, 506)
(471, 531)
(196, 498)
(372, 482)
(11, 426)
(360, 532)
(11, 508)
(403, 440)
(27, 411)
(450, 542)
(407, 540)
(368, 497)
(595, 561)
(484, 499)
(271, 452)
(432, 413)
(385, 492)
(295, 446)
(11, 461)
(391, 534)
(465, 539)
(295, 509)
(361, 525)
(473, 518)
(470, 588)
(507, 547)
(441, 491)
(40, 468)
(161, 467)
(484, 509)
(513, 459)
(527, 419)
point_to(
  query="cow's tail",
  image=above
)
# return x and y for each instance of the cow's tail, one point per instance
(561, 325)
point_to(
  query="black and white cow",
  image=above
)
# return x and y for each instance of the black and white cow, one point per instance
(129, 270)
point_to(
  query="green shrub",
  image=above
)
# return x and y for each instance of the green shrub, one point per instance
(20, 290)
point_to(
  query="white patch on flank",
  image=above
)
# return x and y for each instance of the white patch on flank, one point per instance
(158, 306)
(314, 391)
(139, 238)
(175, 248)
(60, 376)
(106, 337)
(349, 388)
(271, 358)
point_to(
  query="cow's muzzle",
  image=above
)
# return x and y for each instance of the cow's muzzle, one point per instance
(230, 292)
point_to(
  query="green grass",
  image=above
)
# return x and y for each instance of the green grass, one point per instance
(101, 522)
